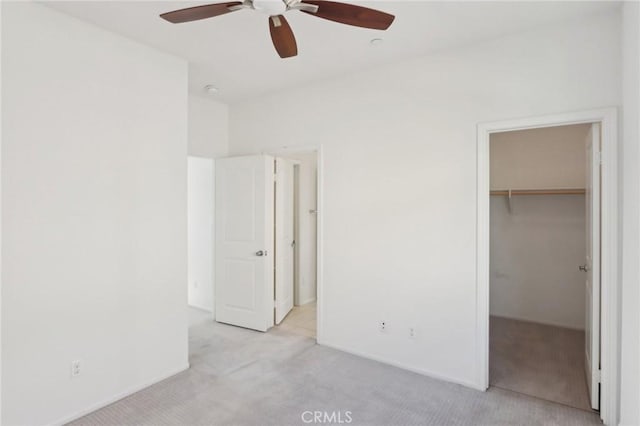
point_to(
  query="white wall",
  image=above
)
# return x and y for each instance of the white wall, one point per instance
(546, 158)
(399, 154)
(208, 127)
(535, 252)
(208, 139)
(630, 159)
(95, 228)
(200, 236)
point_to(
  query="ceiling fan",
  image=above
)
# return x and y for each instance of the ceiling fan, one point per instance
(281, 34)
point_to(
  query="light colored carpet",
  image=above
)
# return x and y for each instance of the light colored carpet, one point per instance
(539, 360)
(241, 377)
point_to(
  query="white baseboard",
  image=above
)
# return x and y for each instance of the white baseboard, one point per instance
(304, 302)
(420, 371)
(537, 321)
(116, 398)
(201, 308)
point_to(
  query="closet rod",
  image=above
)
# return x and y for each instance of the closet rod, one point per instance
(570, 191)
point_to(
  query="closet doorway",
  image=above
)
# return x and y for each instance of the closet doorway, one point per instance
(544, 192)
(547, 276)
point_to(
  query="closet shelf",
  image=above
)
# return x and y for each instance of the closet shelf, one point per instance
(512, 192)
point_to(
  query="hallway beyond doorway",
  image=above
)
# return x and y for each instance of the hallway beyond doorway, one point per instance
(301, 320)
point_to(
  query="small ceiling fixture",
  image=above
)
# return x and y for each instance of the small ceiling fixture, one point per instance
(281, 34)
(210, 89)
(376, 41)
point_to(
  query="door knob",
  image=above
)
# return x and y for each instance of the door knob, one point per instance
(261, 253)
(583, 268)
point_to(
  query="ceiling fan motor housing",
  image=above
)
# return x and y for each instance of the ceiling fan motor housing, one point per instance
(270, 7)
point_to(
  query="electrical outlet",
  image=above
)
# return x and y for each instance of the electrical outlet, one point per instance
(75, 368)
(382, 325)
(412, 332)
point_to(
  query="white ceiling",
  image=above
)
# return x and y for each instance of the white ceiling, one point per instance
(234, 51)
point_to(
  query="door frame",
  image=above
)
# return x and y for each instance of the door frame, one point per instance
(318, 149)
(608, 118)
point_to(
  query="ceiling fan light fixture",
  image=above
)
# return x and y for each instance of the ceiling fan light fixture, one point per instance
(270, 7)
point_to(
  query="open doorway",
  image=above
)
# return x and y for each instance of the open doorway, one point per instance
(604, 314)
(299, 202)
(544, 263)
(200, 213)
(265, 242)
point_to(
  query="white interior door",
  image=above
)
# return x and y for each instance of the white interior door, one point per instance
(244, 236)
(592, 266)
(285, 243)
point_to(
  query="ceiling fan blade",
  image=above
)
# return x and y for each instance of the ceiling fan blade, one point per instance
(199, 12)
(351, 14)
(282, 36)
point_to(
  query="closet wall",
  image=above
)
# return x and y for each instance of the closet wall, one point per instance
(538, 241)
